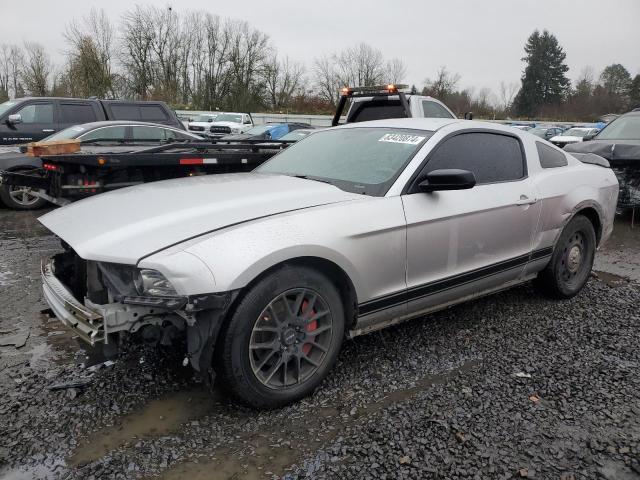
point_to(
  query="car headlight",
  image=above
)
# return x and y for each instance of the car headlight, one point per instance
(236, 130)
(152, 282)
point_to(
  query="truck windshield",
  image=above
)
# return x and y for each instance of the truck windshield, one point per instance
(227, 117)
(623, 128)
(4, 107)
(360, 160)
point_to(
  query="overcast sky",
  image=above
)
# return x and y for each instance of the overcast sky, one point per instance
(482, 40)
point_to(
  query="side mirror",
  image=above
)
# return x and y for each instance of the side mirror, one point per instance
(14, 119)
(447, 179)
(210, 120)
(589, 137)
(468, 116)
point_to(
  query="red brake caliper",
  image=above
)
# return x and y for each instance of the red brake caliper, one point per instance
(306, 348)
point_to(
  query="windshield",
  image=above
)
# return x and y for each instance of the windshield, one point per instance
(622, 128)
(227, 117)
(67, 133)
(575, 132)
(205, 118)
(6, 106)
(360, 160)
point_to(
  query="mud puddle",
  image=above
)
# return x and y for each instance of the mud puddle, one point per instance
(157, 418)
(611, 279)
(273, 450)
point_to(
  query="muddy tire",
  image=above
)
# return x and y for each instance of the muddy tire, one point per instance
(571, 262)
(282, 338)
(20, 198)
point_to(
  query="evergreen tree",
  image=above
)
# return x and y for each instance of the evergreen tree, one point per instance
(634, 92)
(544, 81)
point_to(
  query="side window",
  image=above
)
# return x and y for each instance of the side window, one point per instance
(77, 113)
(125, 112)
(491, 157)
(434, 110)
(117, 133)
(37, 113)
(148, 134)
(152, 113)
(550, 157)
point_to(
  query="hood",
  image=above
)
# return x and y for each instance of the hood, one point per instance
(125, 225)
(618, 152)
(200, 124)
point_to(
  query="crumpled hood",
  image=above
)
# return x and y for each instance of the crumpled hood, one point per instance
(125, 225)
(618, 152)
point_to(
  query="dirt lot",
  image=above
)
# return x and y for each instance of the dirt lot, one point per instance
(511, 386)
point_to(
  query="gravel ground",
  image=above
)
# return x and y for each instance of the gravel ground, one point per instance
(510, 386)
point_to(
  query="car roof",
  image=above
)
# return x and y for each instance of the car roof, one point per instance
(135, 123)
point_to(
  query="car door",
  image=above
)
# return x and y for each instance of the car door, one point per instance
(462, 242)
(37, 120)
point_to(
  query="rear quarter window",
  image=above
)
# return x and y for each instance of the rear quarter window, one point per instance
(125, 112)
(550, 157)
(152, 113)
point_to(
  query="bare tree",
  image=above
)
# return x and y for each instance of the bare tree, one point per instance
(396, 71)
(443, 85)
(507, 94)
(360, 65)
(5, 72)
(282, 79)
(90, 55)
(137, 34)
(327, 81)
(37, 69)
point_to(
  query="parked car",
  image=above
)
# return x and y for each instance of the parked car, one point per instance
(227, 123)
(619, 143)
(269, 131)
(32, 119)
(349, 230)
(99, 133)
(202, 123)
(572, 135)
(546, 132)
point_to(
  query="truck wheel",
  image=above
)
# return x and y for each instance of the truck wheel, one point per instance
(571, 262)
(20, 198)
(282, 339)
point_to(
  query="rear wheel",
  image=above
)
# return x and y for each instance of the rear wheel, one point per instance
(282, 339)
(571, 262)
(20, 198)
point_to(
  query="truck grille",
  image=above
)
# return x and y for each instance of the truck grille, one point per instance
(220, 129)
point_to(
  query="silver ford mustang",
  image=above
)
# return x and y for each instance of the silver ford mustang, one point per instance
(350, 230)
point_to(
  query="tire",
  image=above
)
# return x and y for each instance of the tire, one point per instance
(20, 198)
(262, 333)
(571, 261)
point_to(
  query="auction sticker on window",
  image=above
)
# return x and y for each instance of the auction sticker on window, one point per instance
(401, 138)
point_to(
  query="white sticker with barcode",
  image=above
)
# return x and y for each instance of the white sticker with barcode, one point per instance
(401, 138)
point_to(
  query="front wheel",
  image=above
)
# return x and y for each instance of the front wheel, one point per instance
(282, 339)
(571, 262)
(20, 198)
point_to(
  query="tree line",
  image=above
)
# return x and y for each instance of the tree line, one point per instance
(201, 61)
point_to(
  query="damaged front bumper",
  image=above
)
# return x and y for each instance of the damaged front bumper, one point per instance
(92, 322)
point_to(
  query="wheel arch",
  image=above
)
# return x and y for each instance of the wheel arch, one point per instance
(592, 211)
(334, 273)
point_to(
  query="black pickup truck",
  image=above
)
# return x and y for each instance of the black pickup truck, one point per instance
(33, 118)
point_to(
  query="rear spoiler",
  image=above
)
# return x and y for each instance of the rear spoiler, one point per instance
(591, 159)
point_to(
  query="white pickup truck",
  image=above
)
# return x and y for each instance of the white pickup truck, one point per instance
(230, 123)
(388, 101)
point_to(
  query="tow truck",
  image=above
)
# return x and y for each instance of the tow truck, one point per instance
(71, 172)
(379, 102)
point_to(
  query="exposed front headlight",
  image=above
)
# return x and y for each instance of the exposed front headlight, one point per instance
(152, 282)
(236, 130)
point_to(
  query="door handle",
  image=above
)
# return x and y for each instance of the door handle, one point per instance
(524, 200)
(48, 130)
